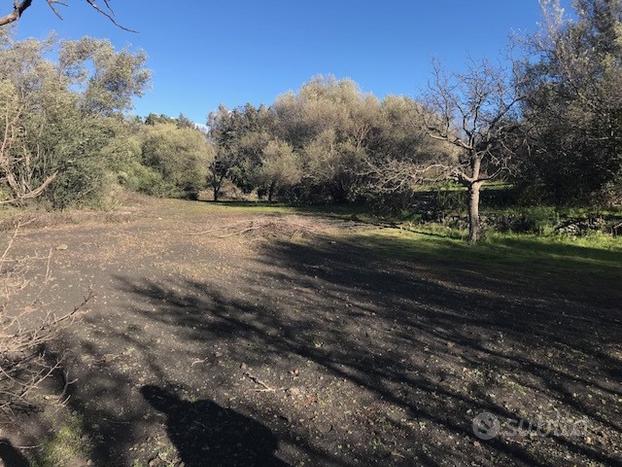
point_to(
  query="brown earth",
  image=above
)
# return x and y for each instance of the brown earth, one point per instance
(221, 337)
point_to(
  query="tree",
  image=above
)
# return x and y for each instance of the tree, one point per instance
(180, 155)
(184, 122)
(223, 133)
(107, 79)
(155, 119)
(328, 122)
(240, 136)
(573, 83)
(397, 148)
(20, 7)
(279, 168)
(478, 113)
(17, 162)
(60, 116)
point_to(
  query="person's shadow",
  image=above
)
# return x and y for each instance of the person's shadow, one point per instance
(11, 457)
(205, 433)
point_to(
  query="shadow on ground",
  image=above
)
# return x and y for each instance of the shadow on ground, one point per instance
(203, 430)
(10, 456)
(328, 352)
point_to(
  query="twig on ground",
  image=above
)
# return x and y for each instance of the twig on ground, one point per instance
(25, 330)
(266, 387)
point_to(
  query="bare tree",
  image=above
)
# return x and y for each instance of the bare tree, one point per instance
(477, 112)
(19, 7)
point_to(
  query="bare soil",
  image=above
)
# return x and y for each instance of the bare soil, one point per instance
(221, 337)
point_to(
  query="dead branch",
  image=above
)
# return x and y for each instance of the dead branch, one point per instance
(26, 329)
(269, 227)
(265, 387)
(20, 7)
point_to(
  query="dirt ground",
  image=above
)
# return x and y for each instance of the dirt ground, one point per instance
(233, 337)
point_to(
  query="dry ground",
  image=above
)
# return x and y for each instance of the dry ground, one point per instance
(233, 336)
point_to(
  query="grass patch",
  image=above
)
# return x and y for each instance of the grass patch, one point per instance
(68, 444)
(590, 266)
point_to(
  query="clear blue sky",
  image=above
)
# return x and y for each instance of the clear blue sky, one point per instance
(203, 53)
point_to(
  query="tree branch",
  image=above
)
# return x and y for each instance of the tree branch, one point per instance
(19, 7)
(18, 10)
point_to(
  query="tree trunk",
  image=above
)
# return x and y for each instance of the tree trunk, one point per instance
(270, 192)
(217, 185)
(474, 227)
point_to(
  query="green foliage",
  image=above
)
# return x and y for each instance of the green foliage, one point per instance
(280, 168)
(448, 200)
(142, 179)
(573, 108)
(334, 131)
(108, 79)
(537, 220)
(180, 155)
(64, 118)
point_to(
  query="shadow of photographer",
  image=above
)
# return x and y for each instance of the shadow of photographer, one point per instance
(205, 433)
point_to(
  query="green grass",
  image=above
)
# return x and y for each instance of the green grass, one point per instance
(559, 212)
(589, 266)
(66, 446)
(344, 212)
(599, 250)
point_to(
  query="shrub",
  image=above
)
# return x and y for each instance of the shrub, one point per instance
(180, 156)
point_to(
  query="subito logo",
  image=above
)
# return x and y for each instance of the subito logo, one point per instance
(486, 426)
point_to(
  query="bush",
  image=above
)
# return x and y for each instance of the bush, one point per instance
(142, 179)
(538, 220)
(180, 156)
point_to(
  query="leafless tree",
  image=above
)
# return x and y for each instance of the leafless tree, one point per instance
(20, 7)
(476, 112)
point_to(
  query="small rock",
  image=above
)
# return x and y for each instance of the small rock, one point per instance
(294, 391)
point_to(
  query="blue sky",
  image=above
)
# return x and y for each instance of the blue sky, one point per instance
(209, 52)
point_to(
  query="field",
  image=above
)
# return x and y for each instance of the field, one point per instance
(269, 335)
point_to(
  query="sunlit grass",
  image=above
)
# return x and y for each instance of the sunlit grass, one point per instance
(589, 266)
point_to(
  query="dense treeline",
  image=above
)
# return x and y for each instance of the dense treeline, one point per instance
(66, 138)
(318, 144)
(551, 126)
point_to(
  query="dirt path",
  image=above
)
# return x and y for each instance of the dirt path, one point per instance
(254, 339)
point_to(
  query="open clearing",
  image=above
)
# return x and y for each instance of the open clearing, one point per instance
(239, 335)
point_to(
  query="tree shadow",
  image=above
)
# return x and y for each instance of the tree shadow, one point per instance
(428, 337)
(205, 433)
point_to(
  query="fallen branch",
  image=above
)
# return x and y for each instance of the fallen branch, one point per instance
(25, 331)
(266, 387)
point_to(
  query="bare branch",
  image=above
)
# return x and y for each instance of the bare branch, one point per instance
(25, 329)
(19, 7)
